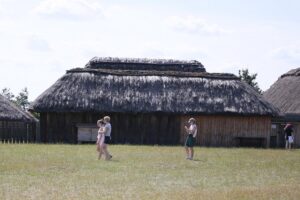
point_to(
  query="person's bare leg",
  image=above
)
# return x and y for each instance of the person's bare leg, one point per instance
(99, 150)
(103, 147)
(192, 153)
(100, 153)
(187, 151)
(109, 156)
(101, 144)
(106, 154)
(97, 147)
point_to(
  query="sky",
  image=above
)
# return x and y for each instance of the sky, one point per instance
(41, 39)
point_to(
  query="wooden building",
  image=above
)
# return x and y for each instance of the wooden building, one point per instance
(16, 125)
(150, 100)
(285, 94)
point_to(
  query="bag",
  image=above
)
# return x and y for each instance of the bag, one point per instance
(291, 139)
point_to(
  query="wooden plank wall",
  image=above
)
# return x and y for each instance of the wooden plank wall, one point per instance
(146, 129)
(222, 130)
(14, 131)
(157, 128)
(61, 127)
(278, 134)
(296, 134)
(126, 128)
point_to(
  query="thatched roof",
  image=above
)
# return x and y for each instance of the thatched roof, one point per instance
(145, 86)
(285, 93)
(145, 64)
(11, 112)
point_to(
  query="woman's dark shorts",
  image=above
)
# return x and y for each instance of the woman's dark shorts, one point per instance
(190, 141)
(107, 140)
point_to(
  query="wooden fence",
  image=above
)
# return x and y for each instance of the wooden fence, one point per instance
(18, 132)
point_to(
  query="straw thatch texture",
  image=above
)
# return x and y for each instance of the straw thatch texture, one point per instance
(10, 112)
(145, 86)
(285, 93)
(145, 64)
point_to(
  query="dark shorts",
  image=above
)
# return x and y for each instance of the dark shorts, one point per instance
(190, 141)
(107, 140)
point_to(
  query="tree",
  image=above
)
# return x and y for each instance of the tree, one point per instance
(22, 99)
(245, 76)
(8, 94)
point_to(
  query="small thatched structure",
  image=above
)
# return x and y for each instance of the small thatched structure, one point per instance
(285, 94)
(15, 124)
(150, 100)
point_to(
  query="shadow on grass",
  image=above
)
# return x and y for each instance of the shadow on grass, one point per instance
(199, 160)
(113, 160)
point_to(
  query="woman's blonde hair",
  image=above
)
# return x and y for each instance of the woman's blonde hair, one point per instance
(192, 120)
(106, 119)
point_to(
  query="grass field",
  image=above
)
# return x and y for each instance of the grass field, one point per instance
(32, 171)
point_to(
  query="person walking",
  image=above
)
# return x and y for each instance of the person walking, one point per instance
(100, 137)
(289, 138)
(107, 134)
(191, 131)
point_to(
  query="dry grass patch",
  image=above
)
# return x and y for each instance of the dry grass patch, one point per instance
(30, 171)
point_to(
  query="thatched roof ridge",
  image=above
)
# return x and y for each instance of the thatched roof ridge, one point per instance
(95, 91)
(11, 112)
(144, 64)
(141, 61)
(285, 93)
(293, 72)
(119, 72)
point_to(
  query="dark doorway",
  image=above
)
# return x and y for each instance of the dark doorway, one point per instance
(161, 129)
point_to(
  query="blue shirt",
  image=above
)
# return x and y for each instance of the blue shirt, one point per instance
(107, 129)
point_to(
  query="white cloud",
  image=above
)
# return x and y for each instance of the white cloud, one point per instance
(2, 10)
(69, 9)
(288, 53)
(194, 24)
(151, 49)
(38, 44)
(114, 10)
(152, 53)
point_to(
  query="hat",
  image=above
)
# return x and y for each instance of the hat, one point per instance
(192, 120)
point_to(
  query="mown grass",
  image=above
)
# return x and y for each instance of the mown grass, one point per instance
(33, 171)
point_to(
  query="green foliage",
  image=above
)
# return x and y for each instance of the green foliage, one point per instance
(8, 94)
(21, 99)
(245, 76)
(35, 114)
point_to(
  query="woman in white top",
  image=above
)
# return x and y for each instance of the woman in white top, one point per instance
(191, 138)
(107, 133)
